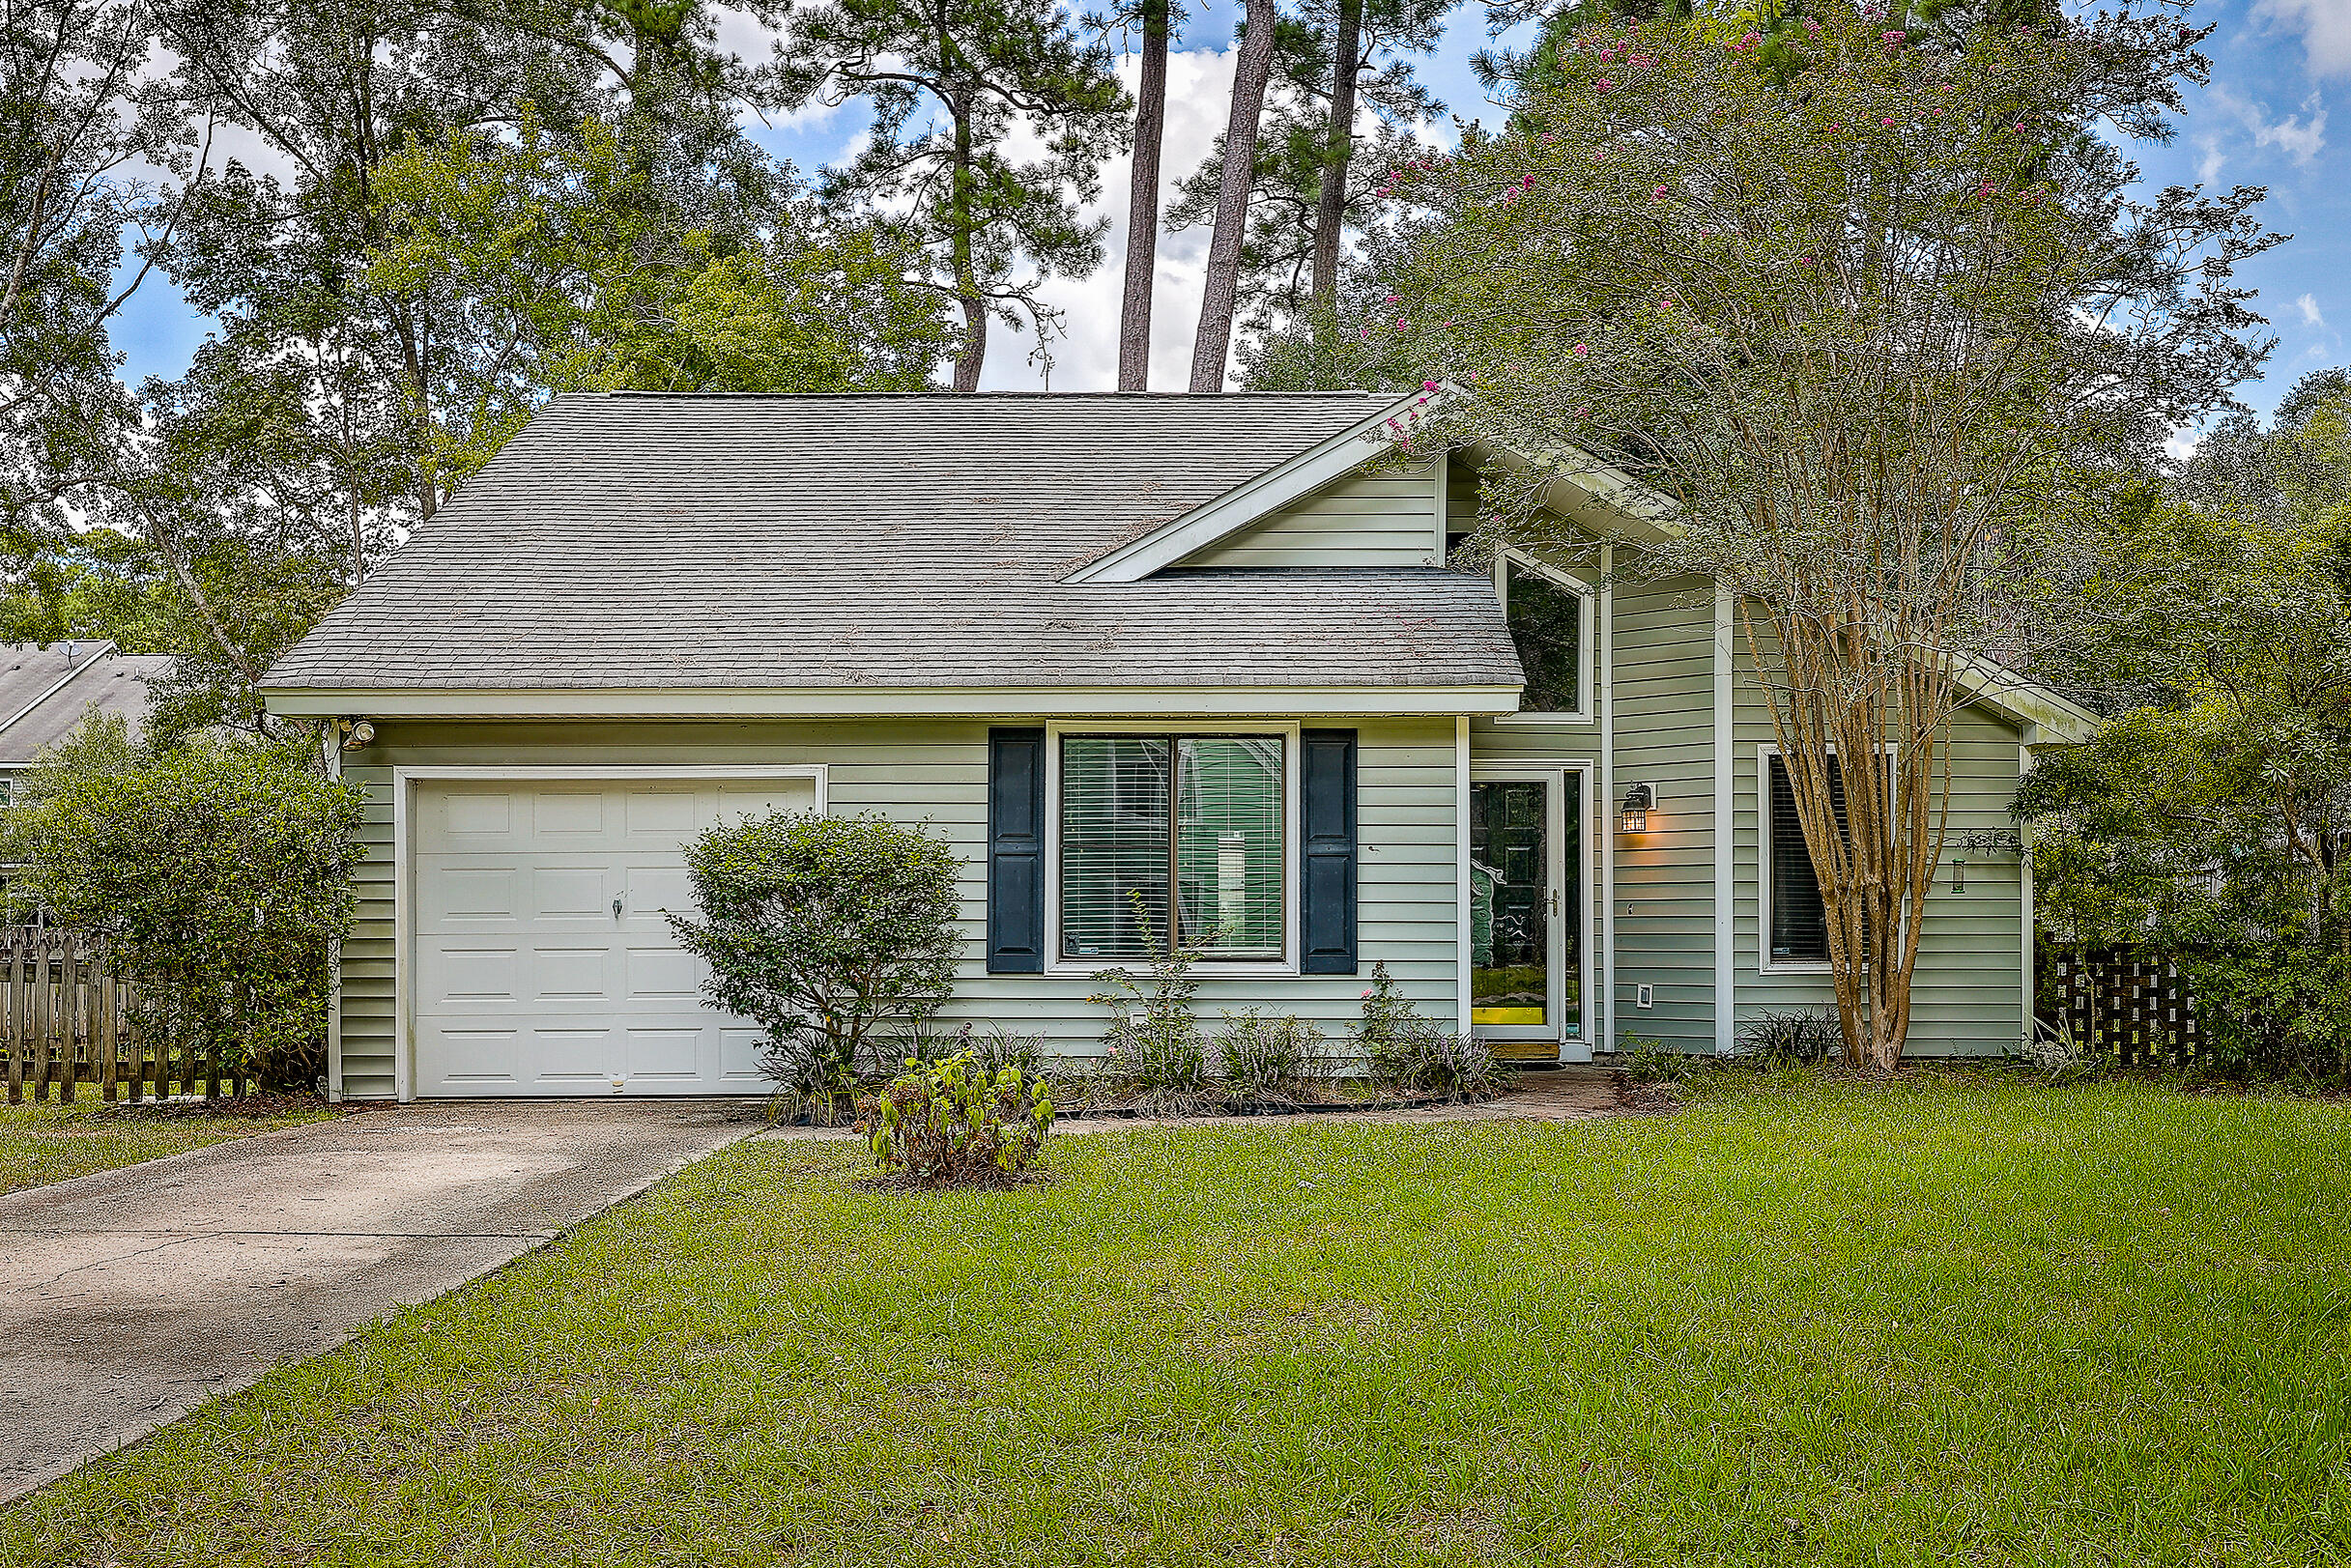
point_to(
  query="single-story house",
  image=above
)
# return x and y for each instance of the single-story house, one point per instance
(1203, 649)
(47, 692)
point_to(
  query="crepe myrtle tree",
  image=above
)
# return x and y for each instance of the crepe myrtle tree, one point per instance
(823, 930)
(1870, 300)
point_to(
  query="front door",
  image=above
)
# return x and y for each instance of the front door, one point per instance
(1526, 915)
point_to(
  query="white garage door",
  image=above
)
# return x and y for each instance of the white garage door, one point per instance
(544, 964)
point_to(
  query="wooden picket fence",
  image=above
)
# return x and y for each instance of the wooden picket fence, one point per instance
(2126, 1004)
(69, 1019)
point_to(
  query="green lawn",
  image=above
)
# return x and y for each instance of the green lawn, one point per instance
(1945, 1322)
(51, 1141)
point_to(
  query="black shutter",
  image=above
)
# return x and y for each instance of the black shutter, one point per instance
(1327, 851)
(1799, 920)
(1015, 852)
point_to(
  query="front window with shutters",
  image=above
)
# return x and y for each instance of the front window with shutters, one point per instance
(1182, 834)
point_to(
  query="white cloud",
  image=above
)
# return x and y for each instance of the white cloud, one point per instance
(2208, 168)
(2291, 135)
(2325, 26)
(2309, 311)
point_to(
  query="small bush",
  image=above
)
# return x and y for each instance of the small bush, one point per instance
(1268, 1060)
(1385, 1013)
(1423, 1057)
(954, 1123)
(1001, 1048)
(822, 930)
(1652, 1061)
(1154, 1045)
(1806, 1037)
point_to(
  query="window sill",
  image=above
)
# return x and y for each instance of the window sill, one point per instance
(1266, 968)
(1797, 969)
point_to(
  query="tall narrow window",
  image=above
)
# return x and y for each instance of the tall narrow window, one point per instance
(1546, 621)
(1182, 832)
(1800, 919)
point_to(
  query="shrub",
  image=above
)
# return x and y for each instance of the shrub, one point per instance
(1385, 1013)
(822, 930)
(1649, 1060)
(1425, 1057)
(1154, 1045)
(1803, 1037)
(1001, 1048)
(1265, 1059)
(219, 873)
(955, 1124)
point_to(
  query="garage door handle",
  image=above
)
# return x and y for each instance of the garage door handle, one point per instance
(615, 909)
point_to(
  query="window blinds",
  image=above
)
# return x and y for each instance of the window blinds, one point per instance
(1185, 829)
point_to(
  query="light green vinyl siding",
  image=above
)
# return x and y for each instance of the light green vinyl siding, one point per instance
(1664, 671)
(937, 773)
(1385, 518)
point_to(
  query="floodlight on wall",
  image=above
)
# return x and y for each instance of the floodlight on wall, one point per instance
(360, 735)
(1639, 801)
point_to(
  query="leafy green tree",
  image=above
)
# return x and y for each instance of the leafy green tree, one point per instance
(569, 273)
(219, 873)
(951, 83)
(72, 139)
(822, 930)
(1877, 314)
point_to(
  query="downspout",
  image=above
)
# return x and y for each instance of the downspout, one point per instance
(1461, 869)
(330, 755)
(1726, 824)
(1606, 988)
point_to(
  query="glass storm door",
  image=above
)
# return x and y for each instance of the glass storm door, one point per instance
(1526, 915)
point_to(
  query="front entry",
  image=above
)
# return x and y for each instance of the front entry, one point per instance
(1526, 915)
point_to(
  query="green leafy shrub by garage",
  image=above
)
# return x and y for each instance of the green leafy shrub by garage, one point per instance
(219, 873)
(955, 1123)
(826, 931)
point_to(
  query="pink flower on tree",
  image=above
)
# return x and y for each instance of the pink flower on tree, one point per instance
(1581, 352)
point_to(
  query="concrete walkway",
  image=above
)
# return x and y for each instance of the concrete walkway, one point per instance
(128, 1297)
(1566, 1094)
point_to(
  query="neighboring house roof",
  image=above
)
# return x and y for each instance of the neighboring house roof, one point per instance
(45, 692)
(678, 542)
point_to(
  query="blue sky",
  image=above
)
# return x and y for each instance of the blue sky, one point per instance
(2267, 119)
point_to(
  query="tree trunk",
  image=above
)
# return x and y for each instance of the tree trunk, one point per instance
(1214, 341)
(1143, 205)
(1331, 209)
(960, 222)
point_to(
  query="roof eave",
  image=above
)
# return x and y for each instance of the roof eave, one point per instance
(886, 701)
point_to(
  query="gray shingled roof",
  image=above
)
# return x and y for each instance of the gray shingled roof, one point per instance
(45, 693)
(642, 541)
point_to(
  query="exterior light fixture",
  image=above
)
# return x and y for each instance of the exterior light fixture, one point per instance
(360, 735)
(1639, 801)
(1958, 875)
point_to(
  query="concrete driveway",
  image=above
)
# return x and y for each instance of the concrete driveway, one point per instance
(129, 1297)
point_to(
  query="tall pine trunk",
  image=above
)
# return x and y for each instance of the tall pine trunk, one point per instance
(974, 352)
(1143, 205)
(1331, 209)
(1214, 341)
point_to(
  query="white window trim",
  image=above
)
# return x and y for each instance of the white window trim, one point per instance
(1764, 750)
(1586, 635)
(404, 872)
(1287, 733)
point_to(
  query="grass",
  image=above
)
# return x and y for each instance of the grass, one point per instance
(1946, 1322)
(53, 1140)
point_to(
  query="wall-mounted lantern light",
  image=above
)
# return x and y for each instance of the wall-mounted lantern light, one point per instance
(1639, 801)
(1958, 875)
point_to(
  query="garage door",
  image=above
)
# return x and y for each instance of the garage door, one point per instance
(544, 964)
